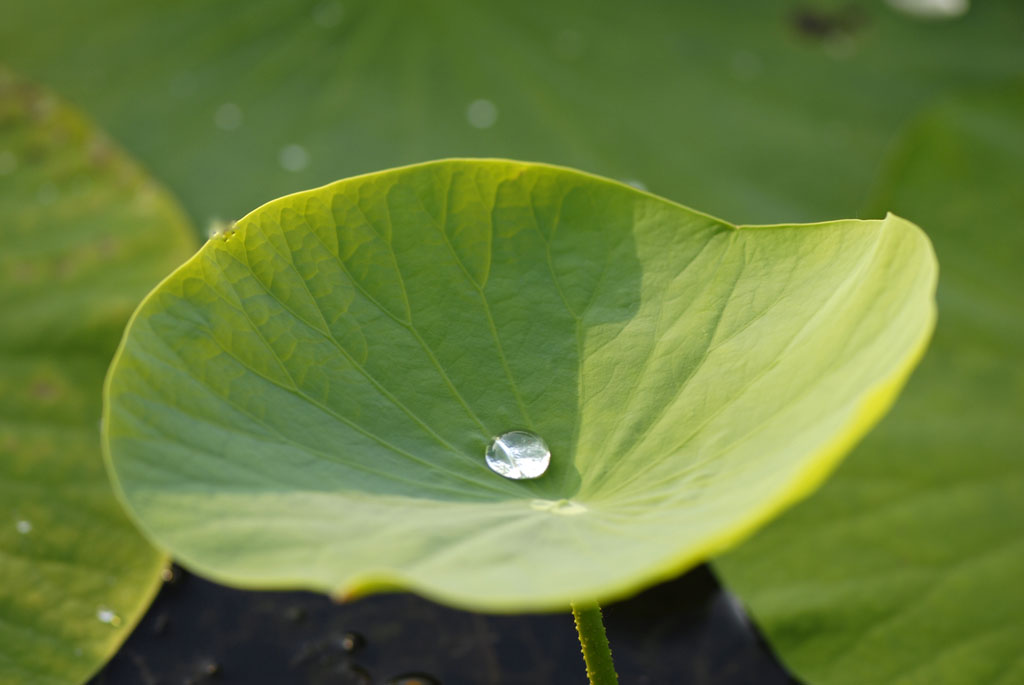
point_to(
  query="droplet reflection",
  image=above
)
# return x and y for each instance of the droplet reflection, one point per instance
(293, 158)
(932, 9)
(518, 455)
(108, 616)
(482, 113)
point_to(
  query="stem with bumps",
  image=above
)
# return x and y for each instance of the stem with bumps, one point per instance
(596, 652)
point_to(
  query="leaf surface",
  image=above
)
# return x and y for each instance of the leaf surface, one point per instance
(906, 567)
(83, 235)
(307, 402)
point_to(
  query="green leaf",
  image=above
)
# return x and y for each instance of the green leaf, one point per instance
(699, 101)
(906, 567)
(83, 235)
(307, 402)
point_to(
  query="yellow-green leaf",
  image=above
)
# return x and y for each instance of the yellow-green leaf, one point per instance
(307, 402)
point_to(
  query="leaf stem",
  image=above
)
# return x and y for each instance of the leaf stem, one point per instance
(596, 652)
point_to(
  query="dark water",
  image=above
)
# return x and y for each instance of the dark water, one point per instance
(687, 631)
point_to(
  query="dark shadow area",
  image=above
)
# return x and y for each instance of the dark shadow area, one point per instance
(822, 25)
(688, 630)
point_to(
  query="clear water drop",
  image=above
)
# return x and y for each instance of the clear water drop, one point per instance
(220, 229)
(932, 9)
(352, 642)
(293, 157)
(228, 116)
(108, 616)
(482, 113)
(518, 455)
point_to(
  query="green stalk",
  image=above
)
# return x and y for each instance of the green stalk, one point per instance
(596, 652)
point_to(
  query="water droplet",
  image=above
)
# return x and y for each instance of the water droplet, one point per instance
(293, 157)
(482, 113)
(414, 679)
(228, 116)
(639, 185)
(328, 14)
(350, 642)
(108, 616)
(220, 229)
(518, 455)
(932, 9)
(8, 162)
(24, 527)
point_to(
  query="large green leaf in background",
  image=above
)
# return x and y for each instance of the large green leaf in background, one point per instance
(83, 235)
(307, 401)
(907, 566)
(700, 101)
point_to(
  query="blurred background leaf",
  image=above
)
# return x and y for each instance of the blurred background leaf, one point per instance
(906, 567)
(233, 104)
(84, 233)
